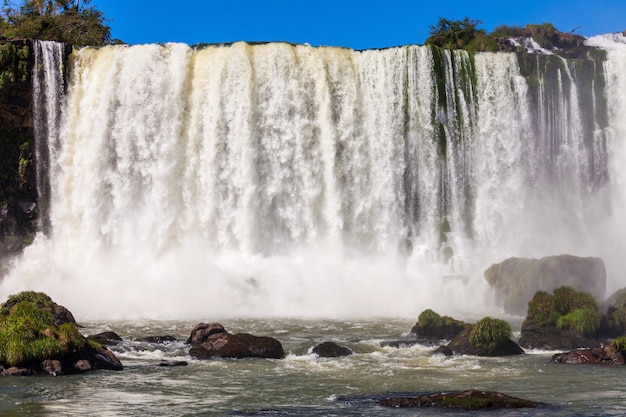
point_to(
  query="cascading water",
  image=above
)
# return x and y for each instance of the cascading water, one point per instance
(48, 94)
(282, 180)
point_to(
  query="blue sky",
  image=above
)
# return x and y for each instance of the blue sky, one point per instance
(356, 24)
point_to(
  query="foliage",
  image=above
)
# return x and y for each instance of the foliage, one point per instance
(585, 320)
(542, 34)
(505, 31)
(58, 20)
(566, 300)
(429, 318)
(490, 331)
(566, 308)
(541, 308)
(453, 34)
(619, 343)
(28, 333)
(13, 64)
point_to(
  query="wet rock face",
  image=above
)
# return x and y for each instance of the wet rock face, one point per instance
(18, 208)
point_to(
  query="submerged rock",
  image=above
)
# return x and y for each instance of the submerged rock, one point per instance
(465, 400)
(331, 350)
(213, 341)
(158, 339)
(516, 280)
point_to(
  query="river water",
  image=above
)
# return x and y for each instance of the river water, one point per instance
(303, 384)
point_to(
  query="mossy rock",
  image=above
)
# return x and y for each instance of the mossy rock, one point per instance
(39, 336)
(566, 319)
(488, 337)
(430, 325)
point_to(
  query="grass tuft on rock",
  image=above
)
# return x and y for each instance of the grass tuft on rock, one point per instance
(490, 331)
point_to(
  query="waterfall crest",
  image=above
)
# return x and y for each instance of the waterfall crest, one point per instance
(292, 180)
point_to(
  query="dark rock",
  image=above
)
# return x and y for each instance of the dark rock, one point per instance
(331, 350)
(106, 338)
(212, 340)
(516, 280)
(604, 355)
(158, 339)
(465, 400)
(443, 350)
(537, 336)
(461, 344)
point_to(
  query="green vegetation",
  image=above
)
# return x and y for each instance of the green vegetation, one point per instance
(585, 320)
(429, 319)
(460, 34)
(59, 20)
(619, 343)
(490, 331)
(13, 64)
(28, 331)
(566, 309)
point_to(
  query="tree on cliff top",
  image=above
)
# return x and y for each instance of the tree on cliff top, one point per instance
(71, 21)
(460, 34)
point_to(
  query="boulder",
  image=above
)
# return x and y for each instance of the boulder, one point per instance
(105, 338)
(213, 341)
(463, 345)
(49, 340)
(603, 355)
(464, 400)
(331, 350)
(516, 280)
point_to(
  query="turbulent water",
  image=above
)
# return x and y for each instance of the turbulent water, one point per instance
(303, 384)
(286, 180)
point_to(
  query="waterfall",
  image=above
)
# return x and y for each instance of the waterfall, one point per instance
(289, 180)
(48, 94)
